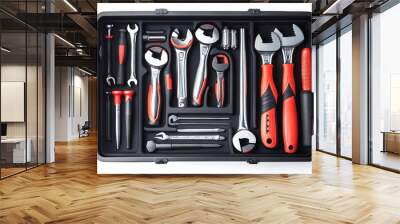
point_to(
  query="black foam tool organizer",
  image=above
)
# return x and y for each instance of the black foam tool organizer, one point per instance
(255, 22)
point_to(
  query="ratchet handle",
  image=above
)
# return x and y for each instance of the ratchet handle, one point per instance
(128, 94)
(121, 57)
(306, 69)
(154, 101)
(220, 89)
(269, 98)
(289, 110)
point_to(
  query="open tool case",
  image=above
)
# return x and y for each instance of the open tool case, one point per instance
(255, 22)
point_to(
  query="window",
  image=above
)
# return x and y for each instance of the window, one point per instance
(346, 73)
(385, 89)
(327, 95)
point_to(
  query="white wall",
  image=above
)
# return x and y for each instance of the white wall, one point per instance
(71, 87)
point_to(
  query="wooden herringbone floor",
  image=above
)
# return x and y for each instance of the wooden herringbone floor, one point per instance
(70, 191)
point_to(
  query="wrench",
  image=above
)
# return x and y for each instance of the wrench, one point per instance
(220, 64)
(151, 146)
(268, 92)
(289, 109)
(182, 47)
(163, 136)
(243, 132)
(157, 58)
(173, 118)
(199, 130)
(110, 79)
(206, 41)
(132, 37)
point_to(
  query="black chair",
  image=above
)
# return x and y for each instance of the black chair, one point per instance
(84, 129)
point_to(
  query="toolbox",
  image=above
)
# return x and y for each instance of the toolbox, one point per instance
(201, 87)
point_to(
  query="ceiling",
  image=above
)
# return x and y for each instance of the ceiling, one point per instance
(76, 21)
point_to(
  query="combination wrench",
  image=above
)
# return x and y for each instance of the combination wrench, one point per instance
(182, 47)
(132, 36)
(244, 140)
(110, 78)
(206, 41)
(157, 58)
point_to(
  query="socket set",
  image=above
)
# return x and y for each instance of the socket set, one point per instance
(233, 86)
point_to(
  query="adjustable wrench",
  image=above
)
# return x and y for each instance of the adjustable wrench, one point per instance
(243, 132)
(182, 47)
(268, 92)
(220, 64)
(289, 110)
(132, 36)
(157, 58)
(163, 136)
(206, 41)
(110, 79)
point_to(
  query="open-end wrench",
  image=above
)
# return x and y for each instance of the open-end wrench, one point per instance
(243, 140)
(206, 41)
(151, 146)
(220, 64)
(182, 47)
(156, 57)
(163, 136)
(289, 110)
(110, 78)
(268, 92)
(200, 130)
(132, 36)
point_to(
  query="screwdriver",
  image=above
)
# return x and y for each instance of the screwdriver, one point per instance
(117, 103)
(128, 95)
(120, 77)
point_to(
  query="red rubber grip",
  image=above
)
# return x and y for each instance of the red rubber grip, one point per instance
(306, 69)
(117, 96)
(289, 110)
(128, 94)
(199, 99)
(220, 88)
(121, 54)
(168, 82)
(269, 98)
(153, 118)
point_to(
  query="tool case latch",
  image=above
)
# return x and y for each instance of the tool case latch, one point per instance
(254, 11)
(161, 11)
(252, 161)
(161, 161)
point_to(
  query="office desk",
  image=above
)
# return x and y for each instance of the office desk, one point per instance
(391, 141)
(16, 147)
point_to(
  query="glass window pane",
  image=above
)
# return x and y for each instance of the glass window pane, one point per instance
(13, 86)
(346, 93)
(385, 89)
(327, 95)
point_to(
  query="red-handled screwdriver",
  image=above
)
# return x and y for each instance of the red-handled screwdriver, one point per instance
(120, 76)
(117, 103)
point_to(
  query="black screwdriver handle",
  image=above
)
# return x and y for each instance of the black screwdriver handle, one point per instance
(121, 57)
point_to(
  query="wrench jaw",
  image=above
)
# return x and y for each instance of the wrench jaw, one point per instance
(203, 38)
(184, 42)
(289, 43)
(244, 141)
(161, 136)
(267, 49)
(110, 80)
